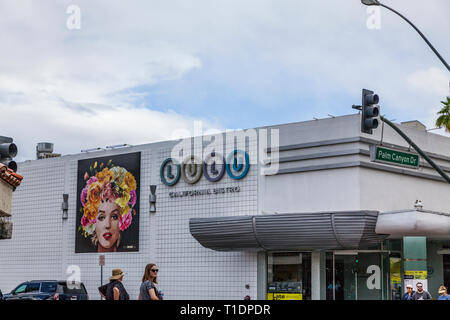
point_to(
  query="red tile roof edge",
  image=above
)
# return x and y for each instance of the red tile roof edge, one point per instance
(10, 176)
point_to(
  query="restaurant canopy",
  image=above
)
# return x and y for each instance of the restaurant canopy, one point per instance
(288, 231)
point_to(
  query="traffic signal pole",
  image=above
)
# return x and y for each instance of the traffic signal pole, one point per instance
(423, 154)
(370, 110)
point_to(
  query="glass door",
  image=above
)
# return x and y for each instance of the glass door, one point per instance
(358, 275)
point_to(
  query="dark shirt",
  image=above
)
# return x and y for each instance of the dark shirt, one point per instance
(424, 295)
(110, 291)
(406, 296)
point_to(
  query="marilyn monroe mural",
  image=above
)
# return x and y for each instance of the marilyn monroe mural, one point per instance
(108, 204)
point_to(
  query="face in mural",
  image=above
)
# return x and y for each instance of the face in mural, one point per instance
(107, 227)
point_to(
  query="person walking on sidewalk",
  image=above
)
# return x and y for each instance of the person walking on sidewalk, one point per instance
(443, 293)
(421, 294)
(148, 289)
(409, 293)
(114, 290)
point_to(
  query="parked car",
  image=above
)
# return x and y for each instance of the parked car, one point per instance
(48, 290)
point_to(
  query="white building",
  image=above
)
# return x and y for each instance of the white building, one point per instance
(320, 222)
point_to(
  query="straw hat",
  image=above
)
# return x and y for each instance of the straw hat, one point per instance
(116, 274)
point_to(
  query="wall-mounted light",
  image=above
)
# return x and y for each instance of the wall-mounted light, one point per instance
(418, 205)
(65, 206)
(152, 198)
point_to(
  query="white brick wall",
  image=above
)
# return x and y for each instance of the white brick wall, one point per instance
(43, 245)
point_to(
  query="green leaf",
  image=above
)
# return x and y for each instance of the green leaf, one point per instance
(444, 119)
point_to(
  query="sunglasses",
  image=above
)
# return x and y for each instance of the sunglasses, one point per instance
(154, 270)
(419, 286)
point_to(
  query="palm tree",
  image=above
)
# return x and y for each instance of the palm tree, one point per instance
(444, 118)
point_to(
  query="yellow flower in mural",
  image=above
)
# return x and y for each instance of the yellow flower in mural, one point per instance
(129, 183)
(125, 210)
(123, 201)
(93, 195)
(104, 176)
(90, 211)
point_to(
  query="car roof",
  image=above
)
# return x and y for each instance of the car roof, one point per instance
(58, 281)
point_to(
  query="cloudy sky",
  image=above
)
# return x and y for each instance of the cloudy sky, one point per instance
(139, 71)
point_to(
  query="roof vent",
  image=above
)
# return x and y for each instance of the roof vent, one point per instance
(44, 150)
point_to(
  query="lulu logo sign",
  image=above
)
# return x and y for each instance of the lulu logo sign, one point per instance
(213, 168)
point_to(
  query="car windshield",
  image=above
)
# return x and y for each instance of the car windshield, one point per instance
(21, 288)
(49, 287)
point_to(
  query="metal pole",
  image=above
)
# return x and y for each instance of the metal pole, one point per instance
(381, 275)
(334, 277)
(404, 136)
(421, 34)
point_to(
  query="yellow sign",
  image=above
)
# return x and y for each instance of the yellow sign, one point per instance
(415, 274)
(284, 296)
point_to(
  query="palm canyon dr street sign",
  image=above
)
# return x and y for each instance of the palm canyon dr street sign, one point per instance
(394, 157)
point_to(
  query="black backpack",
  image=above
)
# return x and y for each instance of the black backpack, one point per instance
(109, 294)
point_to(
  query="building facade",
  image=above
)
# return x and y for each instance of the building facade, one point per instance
(293, 211)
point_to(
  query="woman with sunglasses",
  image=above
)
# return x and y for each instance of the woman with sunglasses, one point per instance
(149, 290)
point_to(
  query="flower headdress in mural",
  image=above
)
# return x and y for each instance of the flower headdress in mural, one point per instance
(107, 182)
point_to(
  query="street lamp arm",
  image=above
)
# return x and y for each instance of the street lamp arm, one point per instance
(421, 34)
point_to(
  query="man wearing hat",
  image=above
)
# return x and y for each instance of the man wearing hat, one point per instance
(114, 290)
(409, 293)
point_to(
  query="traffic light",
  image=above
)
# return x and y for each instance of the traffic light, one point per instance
(370, 111)
(8, 150)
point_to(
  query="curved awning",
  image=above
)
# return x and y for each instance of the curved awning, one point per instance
(414, 223)
(292, 231)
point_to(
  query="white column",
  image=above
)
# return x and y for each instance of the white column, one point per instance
(315, 275)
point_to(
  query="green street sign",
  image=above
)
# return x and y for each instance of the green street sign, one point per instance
(394, 157)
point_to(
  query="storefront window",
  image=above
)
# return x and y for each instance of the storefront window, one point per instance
(289, 276)
(396, 277)
(357, 275)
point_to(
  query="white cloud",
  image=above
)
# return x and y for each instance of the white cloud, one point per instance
(72, 129)
(430, 81)
(76, 90)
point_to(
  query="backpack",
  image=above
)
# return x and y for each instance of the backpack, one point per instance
(110, 292)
